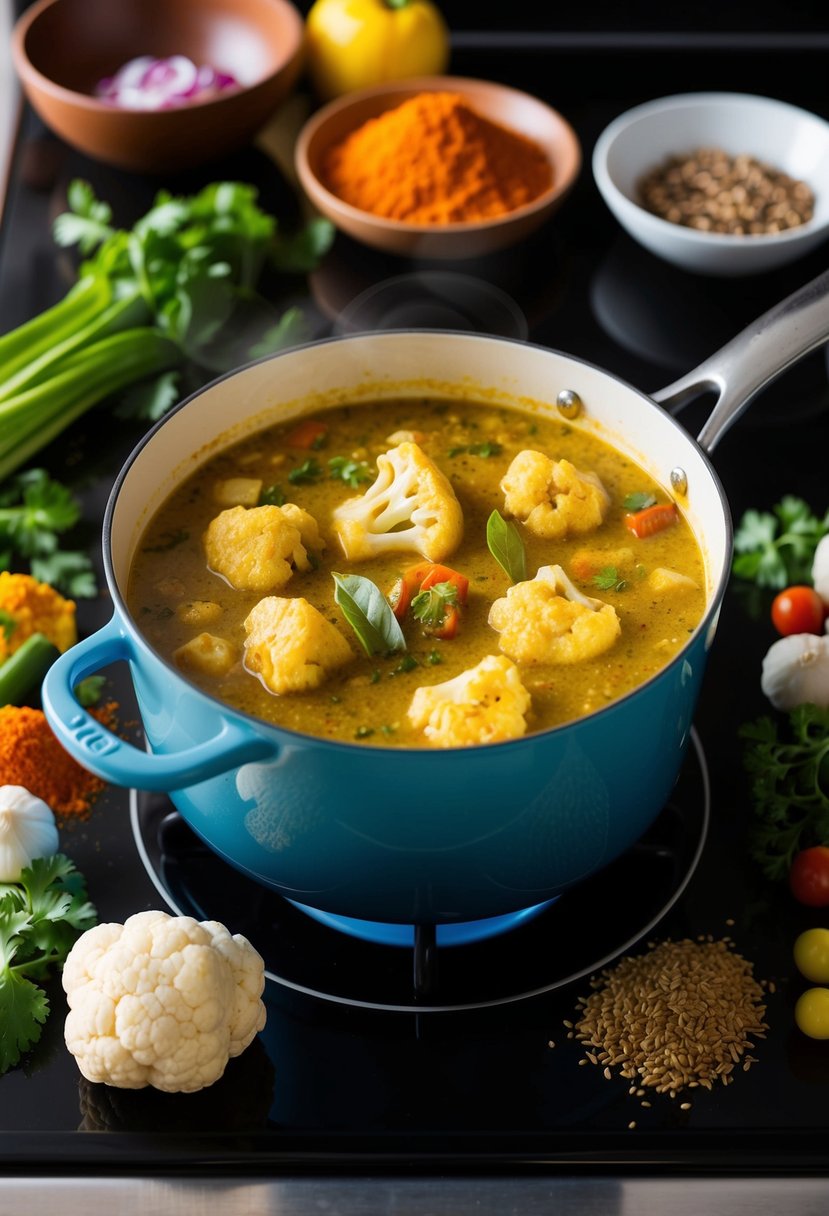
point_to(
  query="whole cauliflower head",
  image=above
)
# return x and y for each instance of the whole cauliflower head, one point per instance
(486, 704)
(291, 646)
(547, 620)
(411, 506)
(258, 548)
(552, 497)
(161, 1000)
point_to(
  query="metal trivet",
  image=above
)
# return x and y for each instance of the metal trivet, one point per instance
(579, 933)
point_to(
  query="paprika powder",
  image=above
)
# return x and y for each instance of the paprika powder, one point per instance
(435, 160)
(31, 756)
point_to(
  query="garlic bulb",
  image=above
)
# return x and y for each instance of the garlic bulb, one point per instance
(27, 831)
(820, 570)
(796, 670)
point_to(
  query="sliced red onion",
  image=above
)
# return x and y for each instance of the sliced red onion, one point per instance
(150, 83)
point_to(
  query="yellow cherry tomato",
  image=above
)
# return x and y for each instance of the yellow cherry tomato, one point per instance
(351, 44)
(811, 955)
(812, 1013)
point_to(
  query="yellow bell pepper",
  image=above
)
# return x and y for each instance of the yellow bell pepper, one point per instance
(351, 44)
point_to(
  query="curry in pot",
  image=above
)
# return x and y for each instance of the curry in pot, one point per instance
(418, 573)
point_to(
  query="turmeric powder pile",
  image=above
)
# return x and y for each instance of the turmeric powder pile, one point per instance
(435, 160)
(28, 606)
(31, 756)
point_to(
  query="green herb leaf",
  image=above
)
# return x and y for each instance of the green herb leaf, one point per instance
(789, 770)
(308, 471)
(406, 664)
(272, 496)
(776, 549)
(34, 511)
(506, 546)
(301, 252)
(478, 449)
(90, 690)
(150, 399)
(289, 330)
(70, 572)
(352, 472)
(368, 613)
(607, 579)
(41, 918)
(638, 501)
(429, 606)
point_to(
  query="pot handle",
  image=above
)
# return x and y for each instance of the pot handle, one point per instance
(112, 758)
(749, 362)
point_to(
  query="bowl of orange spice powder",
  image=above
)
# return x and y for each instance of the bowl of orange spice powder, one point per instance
(438, 166)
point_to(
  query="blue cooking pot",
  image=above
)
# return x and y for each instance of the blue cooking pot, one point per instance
(406, 836)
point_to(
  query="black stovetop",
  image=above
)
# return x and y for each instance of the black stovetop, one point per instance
(333, 1086)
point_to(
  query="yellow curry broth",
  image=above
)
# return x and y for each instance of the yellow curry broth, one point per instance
(368, 699)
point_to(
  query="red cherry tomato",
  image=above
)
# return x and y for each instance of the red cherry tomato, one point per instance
(809, 877)
(798, 610)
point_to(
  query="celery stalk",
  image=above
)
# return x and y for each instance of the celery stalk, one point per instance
(34, 417)
(124, 314)
(30, 340)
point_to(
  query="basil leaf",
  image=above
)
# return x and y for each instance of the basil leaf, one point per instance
(506, 546)
(368, 613)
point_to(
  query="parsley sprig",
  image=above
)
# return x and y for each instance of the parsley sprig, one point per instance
(608, 579)
(430, 606)
(776, 548)
(41, 918)
(34, 512)
(353, 472)
(789, 770)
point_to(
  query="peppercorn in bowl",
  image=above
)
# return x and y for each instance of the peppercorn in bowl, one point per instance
(437, 166)
(718, 183)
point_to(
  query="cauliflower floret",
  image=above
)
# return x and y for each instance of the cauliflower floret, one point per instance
(486, 704)
(206, 653)
(547, 620)
(291, 646)
(161, 1000)
(258, 548)
(306, 526)
(552, 497)
(28, 606)
(410, 506)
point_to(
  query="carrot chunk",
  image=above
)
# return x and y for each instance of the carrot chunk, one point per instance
(651, 520)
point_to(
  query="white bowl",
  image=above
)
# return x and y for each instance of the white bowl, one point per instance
(784, 136)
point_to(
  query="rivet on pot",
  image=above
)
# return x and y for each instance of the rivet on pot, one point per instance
(569, 403)
(679, 480)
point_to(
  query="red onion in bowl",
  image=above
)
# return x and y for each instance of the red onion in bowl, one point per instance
(150, 83)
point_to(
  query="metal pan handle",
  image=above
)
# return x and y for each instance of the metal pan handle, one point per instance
(746, 364)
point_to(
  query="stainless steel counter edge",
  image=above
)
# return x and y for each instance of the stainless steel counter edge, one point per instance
(402, 1196)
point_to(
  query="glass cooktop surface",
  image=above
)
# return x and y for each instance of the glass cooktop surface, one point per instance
(376, 1056)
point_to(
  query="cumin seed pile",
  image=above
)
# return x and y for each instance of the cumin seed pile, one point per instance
(681, 1015)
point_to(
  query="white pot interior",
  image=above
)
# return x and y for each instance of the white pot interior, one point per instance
(367, 367)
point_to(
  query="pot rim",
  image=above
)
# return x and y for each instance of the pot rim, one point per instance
(711, 611)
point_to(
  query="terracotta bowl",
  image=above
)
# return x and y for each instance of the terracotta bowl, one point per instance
(510, 108)
(62, 48)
